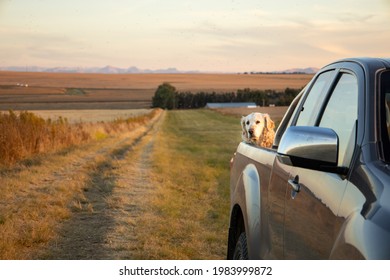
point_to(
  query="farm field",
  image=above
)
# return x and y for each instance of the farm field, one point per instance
(90, 116)
(56, 91)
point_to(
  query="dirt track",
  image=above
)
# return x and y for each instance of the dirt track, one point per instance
(104, 224)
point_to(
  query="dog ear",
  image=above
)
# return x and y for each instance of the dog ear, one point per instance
(269, 124)
(243, 122)
(244, 132)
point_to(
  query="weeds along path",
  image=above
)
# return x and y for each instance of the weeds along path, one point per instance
(81, 204)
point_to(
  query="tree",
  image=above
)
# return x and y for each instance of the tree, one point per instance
(165, 97)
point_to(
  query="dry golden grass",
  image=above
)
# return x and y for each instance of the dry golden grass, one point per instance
(25, 134)
(34, 201)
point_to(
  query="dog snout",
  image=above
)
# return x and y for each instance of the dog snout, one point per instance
(251, 131)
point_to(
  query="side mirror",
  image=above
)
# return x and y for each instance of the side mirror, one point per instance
(310, 147)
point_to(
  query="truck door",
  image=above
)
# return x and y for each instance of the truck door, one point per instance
(313, 197)
(281, 173)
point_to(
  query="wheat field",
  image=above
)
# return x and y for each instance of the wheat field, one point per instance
(56, 91)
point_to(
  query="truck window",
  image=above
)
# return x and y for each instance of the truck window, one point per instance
(314, 99)
(341, 115)
(386, 122)
(287, 119)
(385, 114)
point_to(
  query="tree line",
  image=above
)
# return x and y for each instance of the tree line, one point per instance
(167, 97)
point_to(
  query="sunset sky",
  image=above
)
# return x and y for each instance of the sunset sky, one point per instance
(204, 35)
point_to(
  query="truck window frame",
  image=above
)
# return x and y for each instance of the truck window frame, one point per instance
(320, 98)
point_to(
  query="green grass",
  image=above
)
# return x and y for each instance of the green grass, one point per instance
(191, 168)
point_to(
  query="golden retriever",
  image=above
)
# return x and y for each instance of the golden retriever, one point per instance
(258, 129)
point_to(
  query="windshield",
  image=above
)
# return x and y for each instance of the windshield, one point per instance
(385, 113)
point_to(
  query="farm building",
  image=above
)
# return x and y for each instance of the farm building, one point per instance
(231, 105)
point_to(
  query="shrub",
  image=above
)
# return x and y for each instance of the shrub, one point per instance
(165, 97)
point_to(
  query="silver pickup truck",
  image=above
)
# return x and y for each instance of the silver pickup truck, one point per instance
(323, 190)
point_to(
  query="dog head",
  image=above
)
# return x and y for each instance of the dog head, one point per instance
(255, 126)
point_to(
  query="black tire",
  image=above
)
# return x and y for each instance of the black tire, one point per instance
(241, 249)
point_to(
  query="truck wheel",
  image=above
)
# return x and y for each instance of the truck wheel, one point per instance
(241, 250)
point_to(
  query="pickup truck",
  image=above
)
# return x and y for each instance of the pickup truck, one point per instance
(323, 190)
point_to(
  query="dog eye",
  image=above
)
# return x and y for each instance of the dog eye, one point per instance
(247, 122)
(257, 122)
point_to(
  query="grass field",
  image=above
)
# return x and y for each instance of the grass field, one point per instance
(191, 168)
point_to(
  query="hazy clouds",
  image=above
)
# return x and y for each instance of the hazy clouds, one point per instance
(258, 35)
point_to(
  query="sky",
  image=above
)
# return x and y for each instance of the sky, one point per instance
(203, 35)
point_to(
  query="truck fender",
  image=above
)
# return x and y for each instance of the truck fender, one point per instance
(346, 247)
(361, 239)
(251, 180)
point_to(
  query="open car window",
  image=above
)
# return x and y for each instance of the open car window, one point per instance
(287, 119)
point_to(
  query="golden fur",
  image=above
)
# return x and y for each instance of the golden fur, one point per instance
(258, 129)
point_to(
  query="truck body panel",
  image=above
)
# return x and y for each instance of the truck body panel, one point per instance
(299, 201)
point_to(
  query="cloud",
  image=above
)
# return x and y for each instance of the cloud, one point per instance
(353, 18)
(25, 47)
(293, 41)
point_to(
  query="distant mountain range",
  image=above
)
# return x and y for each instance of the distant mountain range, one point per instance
(103, 70)
(133, 70)
(308, 70)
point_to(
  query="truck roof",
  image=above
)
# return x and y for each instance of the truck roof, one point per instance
(368, 63)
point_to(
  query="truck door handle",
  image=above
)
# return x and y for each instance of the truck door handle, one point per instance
(296, 187)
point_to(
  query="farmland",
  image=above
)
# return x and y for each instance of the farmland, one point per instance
(156, 190)
(54, 91)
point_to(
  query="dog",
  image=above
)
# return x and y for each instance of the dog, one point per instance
(258, 129)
